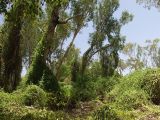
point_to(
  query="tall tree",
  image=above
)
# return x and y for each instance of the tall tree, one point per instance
(82, 11)
(31, 37)
(1, 62)
(42, 51)
(140, 57)
(79, 14)
(106, 39)
(135, 56)
(12, 56)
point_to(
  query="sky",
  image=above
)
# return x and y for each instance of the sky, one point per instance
(145, 25)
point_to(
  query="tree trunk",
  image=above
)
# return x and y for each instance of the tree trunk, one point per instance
(61, 60)
(109, 63)
(42, 51)
(12, 51)
(85, 60)
(12, 59)
(1, 84)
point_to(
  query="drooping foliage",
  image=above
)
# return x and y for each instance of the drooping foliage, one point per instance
(48, 38)
(12, 56)
(39, 64)
(49, 81)
(141, 56)
(106, 40)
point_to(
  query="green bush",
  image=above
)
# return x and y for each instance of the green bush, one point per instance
(151, 84)
(128, 94)
(66, 89)
(4, 98)
(34, 96)
(137, 89)
(132, 99)
(49, 81)
(106, 113)
(84, 89)
(57, 101)
(23, 83)
(16, 112)
(26, 104)
(105, 85)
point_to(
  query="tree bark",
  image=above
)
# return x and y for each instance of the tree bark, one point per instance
(42, 51)
(12, 52)
(1, 62)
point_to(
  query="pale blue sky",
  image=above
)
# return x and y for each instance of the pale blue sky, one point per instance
(145, 25)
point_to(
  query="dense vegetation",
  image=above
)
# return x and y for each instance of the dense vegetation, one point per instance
(61, 83)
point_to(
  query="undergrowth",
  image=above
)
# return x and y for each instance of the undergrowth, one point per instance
(131, 97)
(134, 95)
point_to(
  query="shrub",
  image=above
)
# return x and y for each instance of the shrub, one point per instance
(132, 99)
(138, 89)
(26, 104)
(34, 96)
(128, 94)
(4, 97)
(57, 101)
(106, 113)
(151, 84)
(23, 83)
(105, 85)
(16, 112)
(49, 81)
(83, 89)
(66, 89)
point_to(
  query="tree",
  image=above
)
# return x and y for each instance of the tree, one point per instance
(3, 6)
(153, 52)
(135, 56)
(41, 54)
(31, 37)
(150, 3)
(82, 10)
(39, 64)
(1, 62)
(140, 57)
(107, 31)
(65, 70)
(11, 53)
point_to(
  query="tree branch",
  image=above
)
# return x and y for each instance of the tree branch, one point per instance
(89, 54)
(68, 19)
(61, 60)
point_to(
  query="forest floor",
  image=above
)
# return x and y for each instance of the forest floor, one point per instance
(86, 109)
